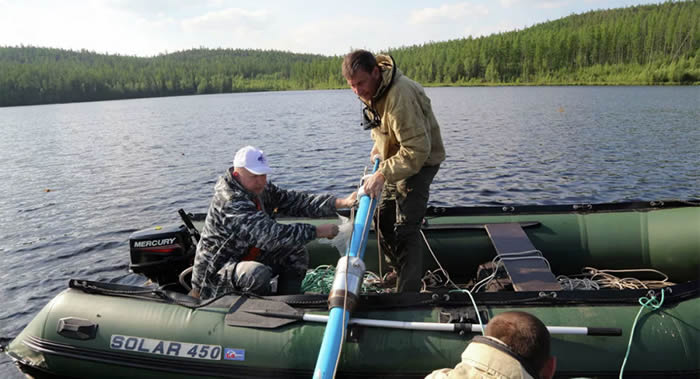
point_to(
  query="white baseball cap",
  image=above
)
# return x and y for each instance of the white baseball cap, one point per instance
(252, 159)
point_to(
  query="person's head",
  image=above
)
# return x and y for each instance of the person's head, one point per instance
(362, 73)
(250, 169)
(527, 336)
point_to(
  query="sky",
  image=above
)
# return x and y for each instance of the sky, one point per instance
(152, 27)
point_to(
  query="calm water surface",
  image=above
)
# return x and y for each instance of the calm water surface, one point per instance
(77, 179)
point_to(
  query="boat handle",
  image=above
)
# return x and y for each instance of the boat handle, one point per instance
(76, 328)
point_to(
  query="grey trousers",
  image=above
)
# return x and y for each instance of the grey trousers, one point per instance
(256, 277)
(401, 212)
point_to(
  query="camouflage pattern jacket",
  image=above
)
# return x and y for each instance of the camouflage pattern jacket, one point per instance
(234, 224)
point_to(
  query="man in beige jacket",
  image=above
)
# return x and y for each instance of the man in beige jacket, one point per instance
(516, 346)
(407, 138)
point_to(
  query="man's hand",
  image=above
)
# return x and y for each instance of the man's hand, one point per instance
(327, 231)
(374, 154)
(373, 184)
(348, 202)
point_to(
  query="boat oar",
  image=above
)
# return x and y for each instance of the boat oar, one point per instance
(280, 314)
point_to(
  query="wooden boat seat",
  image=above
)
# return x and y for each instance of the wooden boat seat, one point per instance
(522, 261)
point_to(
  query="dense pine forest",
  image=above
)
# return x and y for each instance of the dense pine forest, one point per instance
(651, 44)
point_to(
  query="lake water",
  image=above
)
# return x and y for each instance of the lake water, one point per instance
(77, 179)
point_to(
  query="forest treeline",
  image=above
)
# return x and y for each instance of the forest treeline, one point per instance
(649, 44)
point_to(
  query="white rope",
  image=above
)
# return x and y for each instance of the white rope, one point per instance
(449, 280)
(498, 261)
(442, 269)
(593, 278)
(571, 284)
(484, 282)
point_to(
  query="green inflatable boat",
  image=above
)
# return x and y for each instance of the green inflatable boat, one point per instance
(583, 269)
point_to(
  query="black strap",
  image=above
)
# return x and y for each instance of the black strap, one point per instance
(504, 348)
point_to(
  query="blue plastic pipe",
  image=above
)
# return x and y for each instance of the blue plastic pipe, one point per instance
(339, 316)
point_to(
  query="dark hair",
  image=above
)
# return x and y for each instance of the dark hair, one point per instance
(358, 60)
(524, 333)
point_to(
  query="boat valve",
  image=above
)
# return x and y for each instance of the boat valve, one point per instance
(347, 283)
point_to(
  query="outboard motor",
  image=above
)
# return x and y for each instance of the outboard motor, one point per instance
(161, 253)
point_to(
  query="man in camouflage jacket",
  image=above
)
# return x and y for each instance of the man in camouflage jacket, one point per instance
(242, 247)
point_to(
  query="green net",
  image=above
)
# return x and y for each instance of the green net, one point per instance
(320, 280)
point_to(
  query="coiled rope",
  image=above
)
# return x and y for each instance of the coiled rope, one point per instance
(594, 279)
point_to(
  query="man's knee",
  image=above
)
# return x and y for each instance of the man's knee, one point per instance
(250, 276)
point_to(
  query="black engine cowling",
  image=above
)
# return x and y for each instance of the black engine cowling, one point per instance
(161, 253)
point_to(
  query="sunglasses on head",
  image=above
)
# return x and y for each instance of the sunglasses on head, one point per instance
(370, 118)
